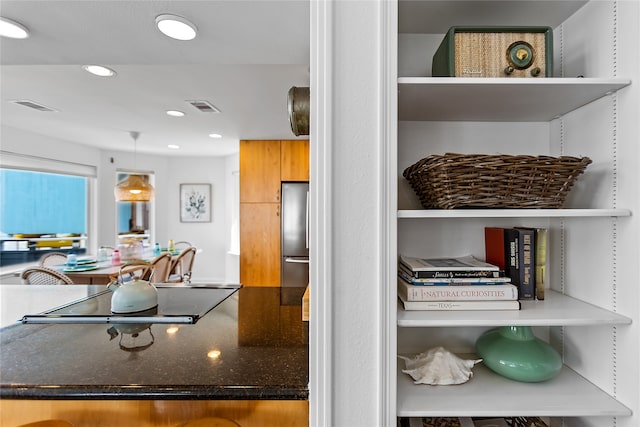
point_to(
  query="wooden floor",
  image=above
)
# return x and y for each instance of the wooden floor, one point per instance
(156, 413)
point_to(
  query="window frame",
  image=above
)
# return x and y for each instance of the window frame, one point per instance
(25, 162)
(150, 236)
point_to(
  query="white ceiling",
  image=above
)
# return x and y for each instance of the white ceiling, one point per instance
(244, 60)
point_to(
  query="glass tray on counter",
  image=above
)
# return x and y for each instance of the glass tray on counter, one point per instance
(176, 304)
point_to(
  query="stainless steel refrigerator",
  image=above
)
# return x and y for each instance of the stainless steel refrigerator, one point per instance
(295, 234)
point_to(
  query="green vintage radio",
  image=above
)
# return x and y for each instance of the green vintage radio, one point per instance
(495, 52)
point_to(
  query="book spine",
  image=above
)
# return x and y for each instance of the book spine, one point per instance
(404, 274)
(460, 305)
(541, 261)
(446, 274)
(494, 242)
(526, 256)
(512, 266)
(409, 276)
(464, 263)
(457, 293)
(460, 281)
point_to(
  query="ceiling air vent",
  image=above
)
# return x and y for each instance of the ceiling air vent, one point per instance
(204, 106)
(31, 104)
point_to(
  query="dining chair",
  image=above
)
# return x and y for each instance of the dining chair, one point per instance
(53, 258)
(39, 275)
(160, 268)
(182, 266)
(134, 269)
(182, 244)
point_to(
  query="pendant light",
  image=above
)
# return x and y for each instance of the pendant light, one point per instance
(135, 188)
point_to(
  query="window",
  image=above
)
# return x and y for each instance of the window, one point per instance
(41, 212)
(134, 218)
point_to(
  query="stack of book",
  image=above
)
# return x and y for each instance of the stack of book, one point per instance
(463, 283)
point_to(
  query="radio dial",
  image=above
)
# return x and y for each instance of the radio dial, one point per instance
(520, 55)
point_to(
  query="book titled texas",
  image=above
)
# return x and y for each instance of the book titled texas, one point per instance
(460, 305)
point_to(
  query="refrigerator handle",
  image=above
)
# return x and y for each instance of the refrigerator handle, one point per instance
(297, 260)
(306, 236)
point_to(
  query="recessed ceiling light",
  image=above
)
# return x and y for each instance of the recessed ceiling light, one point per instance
(99, 70)
(12, 29)
(173, 146)
(176, 27)
(215, 135)
(175, 113)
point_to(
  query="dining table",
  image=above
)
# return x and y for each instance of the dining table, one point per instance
(89, 271)
(90, 274)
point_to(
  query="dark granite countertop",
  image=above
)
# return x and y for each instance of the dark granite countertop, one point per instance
(253, 345)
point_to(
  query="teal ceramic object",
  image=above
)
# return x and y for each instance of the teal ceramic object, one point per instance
(514, 352)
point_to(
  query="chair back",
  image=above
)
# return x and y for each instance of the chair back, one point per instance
(52, 258)
(44, 276)
(182, 266)
(160, 268)
(136, 269)
(182, 244)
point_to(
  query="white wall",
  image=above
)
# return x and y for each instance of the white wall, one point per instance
(211, 238)
(212, 263)
(22, 142)
(232, 266)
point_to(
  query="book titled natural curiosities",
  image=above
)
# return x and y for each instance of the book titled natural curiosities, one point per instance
(409, 292)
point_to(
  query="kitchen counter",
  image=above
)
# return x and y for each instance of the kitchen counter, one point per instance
(253, 345)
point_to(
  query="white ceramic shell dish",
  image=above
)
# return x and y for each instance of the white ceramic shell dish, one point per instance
(438, 366)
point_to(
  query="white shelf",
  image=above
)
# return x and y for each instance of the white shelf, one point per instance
(556, 310)
(498, 99)
(512, 213)
(489, 394)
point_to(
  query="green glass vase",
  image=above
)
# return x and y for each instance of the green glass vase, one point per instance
(514, 352)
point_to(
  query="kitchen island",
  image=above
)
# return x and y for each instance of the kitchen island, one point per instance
(246, 359)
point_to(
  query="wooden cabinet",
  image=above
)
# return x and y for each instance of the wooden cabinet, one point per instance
(260, 244)
(155, 413)
(259, 171)
(294, 160)
(264, 165)
(583, 316)
(266, 319)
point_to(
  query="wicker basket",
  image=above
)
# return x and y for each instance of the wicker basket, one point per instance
(494, 181)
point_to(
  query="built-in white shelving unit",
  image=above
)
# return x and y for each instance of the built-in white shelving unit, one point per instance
(513, 213)
(578, 316)
(498, 99)
(569, 394)
(555, 310)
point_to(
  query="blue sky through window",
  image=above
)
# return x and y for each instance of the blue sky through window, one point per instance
(42, 203)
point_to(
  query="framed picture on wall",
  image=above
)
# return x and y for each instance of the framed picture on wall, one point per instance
(195, 202)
